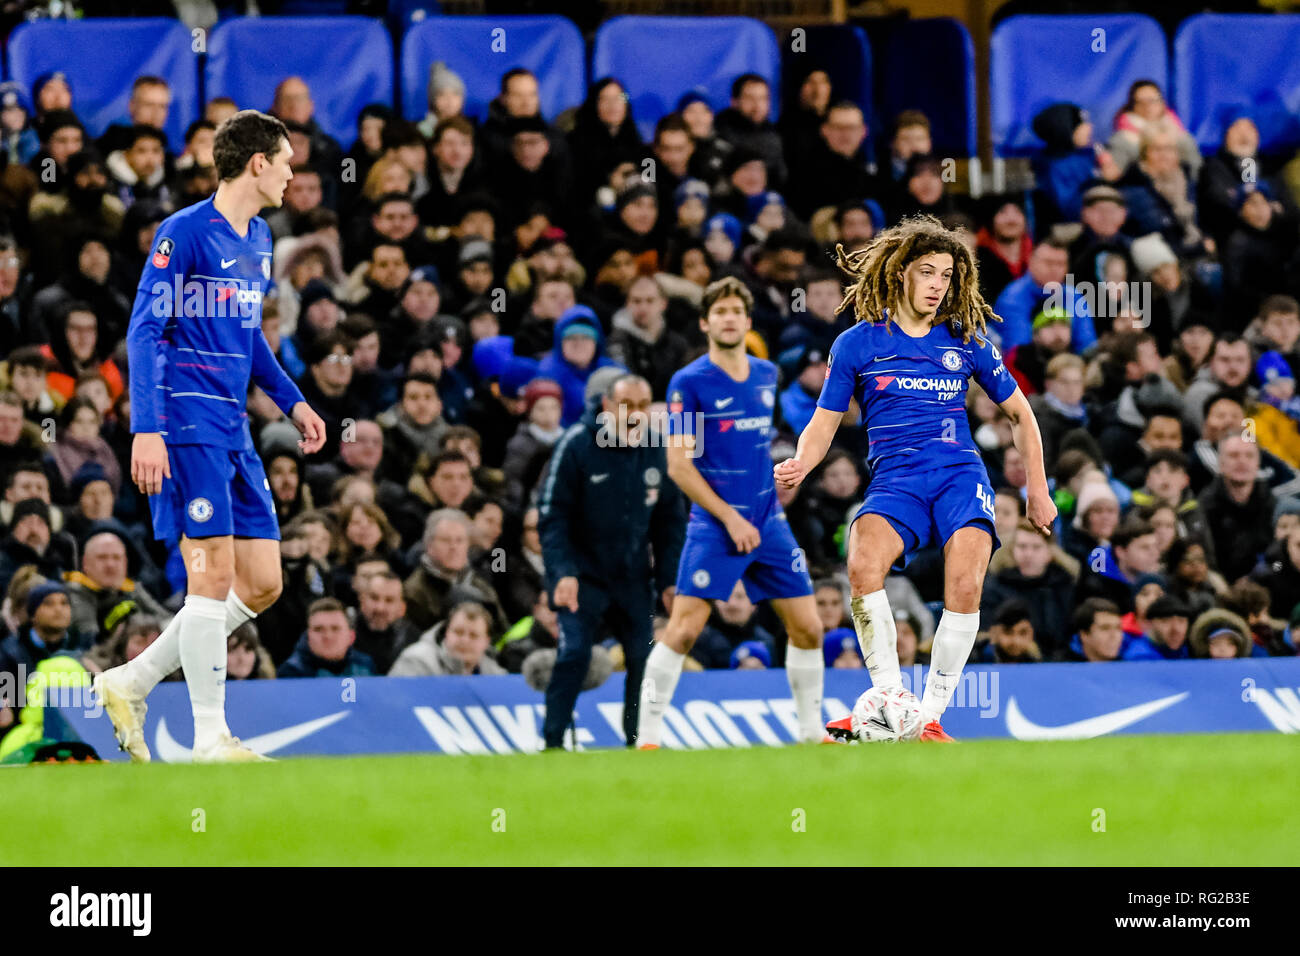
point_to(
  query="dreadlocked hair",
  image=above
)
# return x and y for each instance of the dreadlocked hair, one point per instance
(877, 269)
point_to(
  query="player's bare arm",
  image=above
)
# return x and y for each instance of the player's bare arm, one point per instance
(813, 445)
(1040, 509)
(692, 484)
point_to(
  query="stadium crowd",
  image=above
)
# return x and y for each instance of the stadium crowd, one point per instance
(444, 290)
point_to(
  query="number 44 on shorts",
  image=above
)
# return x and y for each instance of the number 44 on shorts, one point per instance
(986, 499)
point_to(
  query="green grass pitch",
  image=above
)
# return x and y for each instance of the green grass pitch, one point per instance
(1208, 800)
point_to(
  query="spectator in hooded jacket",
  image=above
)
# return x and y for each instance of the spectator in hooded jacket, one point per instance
(578, 351)
(139, 168)
(1071, 158)
(1218, 635)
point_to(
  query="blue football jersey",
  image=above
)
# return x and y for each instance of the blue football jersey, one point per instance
(732, 425)
(912, 392)
(195, 337)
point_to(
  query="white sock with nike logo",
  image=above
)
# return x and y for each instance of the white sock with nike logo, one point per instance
(953, 640)
(663, 667)
(805, 669)
(163, 656)
(878, 638)
(203, 655)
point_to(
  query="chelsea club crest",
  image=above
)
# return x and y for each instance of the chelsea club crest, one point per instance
(951, 360)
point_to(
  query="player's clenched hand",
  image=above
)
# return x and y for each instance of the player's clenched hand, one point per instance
(566, 594)
(743, 534)
(311, 427)
(789, 473)
(1040, 509)
(149, 464)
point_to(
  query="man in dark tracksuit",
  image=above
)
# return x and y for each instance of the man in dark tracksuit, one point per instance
(606, 506)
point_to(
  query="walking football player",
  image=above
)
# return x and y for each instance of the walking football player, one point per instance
(737, 529)
(920, 337)
(194, 341)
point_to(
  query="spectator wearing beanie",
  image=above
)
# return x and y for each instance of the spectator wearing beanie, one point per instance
(529, 449)
(1096, 516)
(1168, 620)
(28, 542)
(318, 313)
(46, 633)
(445, 94)
(419, 305)
(1173, 293)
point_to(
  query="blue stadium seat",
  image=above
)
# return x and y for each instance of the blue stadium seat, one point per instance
(944, 91)
(843, 52)
(551, 47)
(1223, 62)
(1035, 61)
(657, 59)
(347, 62)
(101, 59)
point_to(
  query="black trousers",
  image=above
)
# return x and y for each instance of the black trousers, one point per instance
(630, 611)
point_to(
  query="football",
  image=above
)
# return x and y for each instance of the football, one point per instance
(886, 716)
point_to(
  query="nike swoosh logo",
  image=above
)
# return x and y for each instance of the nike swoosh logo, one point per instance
(722, 403)
(170, 751)
(226, 264)
(884, 358)
(1022, 728)
(597, 479)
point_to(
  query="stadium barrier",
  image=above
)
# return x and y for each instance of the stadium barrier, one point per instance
(489, 715)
